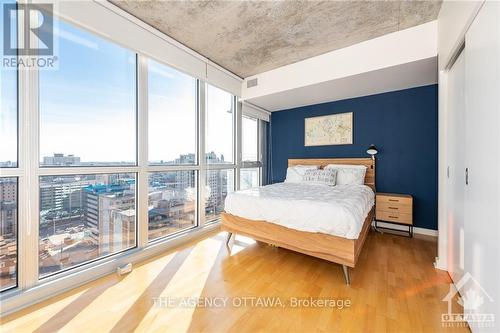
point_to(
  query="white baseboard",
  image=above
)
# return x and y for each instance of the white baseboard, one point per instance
(440, 264)
(416, 230)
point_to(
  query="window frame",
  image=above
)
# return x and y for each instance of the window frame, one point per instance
(2, 290)
(17, 172)
(258, 164)
(29, 171)
(198, 82)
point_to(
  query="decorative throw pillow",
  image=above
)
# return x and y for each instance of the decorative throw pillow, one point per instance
(294, 174)
(326, 176)
(348, 174)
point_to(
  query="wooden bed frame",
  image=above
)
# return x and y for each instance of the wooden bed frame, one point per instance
(332, 248)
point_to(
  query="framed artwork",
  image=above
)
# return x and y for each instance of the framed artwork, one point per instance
(335, 129)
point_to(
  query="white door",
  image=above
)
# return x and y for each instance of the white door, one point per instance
(482, 116)
(455, 167)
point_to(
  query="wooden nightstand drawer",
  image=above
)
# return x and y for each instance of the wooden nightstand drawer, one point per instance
(394, 199)
(394, 217)
(394, 207)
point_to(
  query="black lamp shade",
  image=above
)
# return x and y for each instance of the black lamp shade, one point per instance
(372, 150)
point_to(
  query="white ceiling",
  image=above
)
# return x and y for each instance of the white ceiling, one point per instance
(408, 75)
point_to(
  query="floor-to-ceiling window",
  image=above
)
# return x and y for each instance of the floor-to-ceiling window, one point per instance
(9, 168)
(116, 151)
(251, 161)
(219, 150)
(172, 142)
(87, 119)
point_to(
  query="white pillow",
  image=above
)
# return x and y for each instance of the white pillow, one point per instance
(349, 174)
(326, 177)
(294, 174)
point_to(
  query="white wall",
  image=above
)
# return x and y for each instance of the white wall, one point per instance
(405, 46)
(454, 19)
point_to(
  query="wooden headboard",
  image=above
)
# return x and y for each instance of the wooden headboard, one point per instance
(322, 162)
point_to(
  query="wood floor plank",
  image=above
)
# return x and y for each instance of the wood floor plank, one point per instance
(394, 288)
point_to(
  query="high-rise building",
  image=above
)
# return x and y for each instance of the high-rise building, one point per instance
(8, 189)
(62, 194)
(61, 160)
(110, 214)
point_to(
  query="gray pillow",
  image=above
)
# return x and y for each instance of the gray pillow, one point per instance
(325, 176)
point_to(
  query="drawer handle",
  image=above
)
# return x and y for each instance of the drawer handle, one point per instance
(394, 200)
(393, 217)
(393, 207)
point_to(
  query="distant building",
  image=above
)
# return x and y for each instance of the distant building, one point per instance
(186, 159)
(218, 184)
(8, 206)
(110, 214)
(8, 189)
(63, 194)
(61, 160)
(8, 229)
(8, 218)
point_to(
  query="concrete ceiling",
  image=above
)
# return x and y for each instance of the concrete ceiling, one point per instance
(251, 37)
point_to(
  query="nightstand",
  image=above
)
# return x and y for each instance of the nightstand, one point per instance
(394, 208)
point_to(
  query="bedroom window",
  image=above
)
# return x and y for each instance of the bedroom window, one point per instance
(249, 139)
(117, 151)
(88, 102)
(172, 202)
(8, 116)
(218, 184)
(251, 156)
(219, 123)
(172, 103)
(87, 176)
(85, 217)
(249, 177)
(8, 232)
(9, 169)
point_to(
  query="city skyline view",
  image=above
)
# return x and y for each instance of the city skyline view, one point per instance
(72, 123)
(88, 118)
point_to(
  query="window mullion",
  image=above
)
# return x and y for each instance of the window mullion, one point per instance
(202, 176)
(28, 184)
(142, 135)
(238, 138)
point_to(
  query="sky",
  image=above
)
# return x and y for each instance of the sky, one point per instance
(8, 111)
(88, 106)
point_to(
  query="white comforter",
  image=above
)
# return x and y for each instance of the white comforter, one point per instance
(335, 210)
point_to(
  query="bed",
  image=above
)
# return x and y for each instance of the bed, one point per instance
(330, 223)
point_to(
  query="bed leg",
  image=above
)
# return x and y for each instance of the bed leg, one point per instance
(346, 274)
(228, 238)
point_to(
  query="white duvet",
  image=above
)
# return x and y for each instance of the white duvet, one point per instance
(335, 210)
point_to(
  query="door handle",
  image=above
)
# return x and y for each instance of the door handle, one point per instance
(466, 176)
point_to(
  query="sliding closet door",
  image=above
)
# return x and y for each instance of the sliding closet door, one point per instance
(482, 195)
(456, 167)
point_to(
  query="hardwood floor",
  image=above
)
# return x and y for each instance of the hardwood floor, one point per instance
(394, 288)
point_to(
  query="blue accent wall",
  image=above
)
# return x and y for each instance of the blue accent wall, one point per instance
(403, 125)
